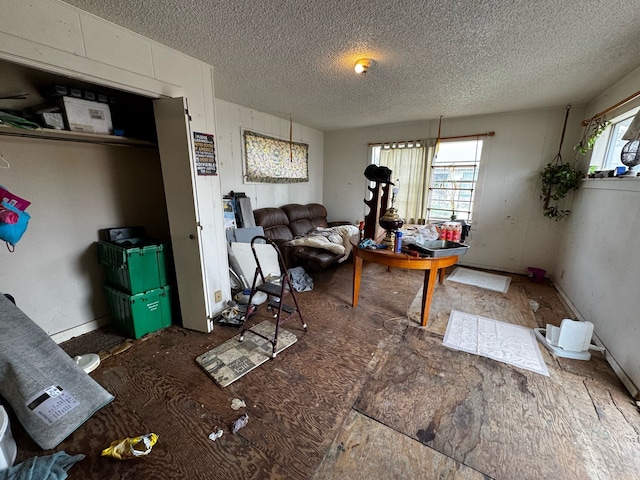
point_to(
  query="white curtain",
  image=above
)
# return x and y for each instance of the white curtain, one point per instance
(411, 171)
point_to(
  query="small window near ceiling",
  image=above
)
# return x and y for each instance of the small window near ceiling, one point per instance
(454, 173)
(608, 147)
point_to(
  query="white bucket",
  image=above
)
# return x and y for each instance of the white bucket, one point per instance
(8, 447)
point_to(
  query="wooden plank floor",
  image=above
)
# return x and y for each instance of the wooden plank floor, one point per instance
(366, 449)
(364, 393)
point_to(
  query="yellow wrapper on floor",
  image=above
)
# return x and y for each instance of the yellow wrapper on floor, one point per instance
(131, 447)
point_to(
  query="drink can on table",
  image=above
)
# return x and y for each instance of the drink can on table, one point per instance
(398, 242)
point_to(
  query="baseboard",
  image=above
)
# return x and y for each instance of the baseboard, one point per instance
(628, 383)
(492, 268)
(80, 330)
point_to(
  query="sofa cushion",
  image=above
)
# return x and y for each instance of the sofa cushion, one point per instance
(274, 222)
(299, 221)
(295, 212)
(317, 215)
(301, 228)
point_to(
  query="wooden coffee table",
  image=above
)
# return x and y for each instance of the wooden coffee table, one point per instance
(401, 260)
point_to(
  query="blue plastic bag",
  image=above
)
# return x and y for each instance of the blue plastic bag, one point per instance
(12, 232)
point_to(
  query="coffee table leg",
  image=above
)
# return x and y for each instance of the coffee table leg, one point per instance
(427, 294)
(357, 272)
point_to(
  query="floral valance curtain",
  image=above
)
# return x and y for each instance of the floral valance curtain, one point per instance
(273, 160)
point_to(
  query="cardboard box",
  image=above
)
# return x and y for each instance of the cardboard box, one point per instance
(87, 116)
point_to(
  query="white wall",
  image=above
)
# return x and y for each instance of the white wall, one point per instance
(231, 119)
(509, 232)
(597, 265)
(55, 37)
(75, 190)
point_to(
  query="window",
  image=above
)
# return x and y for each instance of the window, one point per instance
(432, 187)
(606, 151)
(454, 173)
(410, 163)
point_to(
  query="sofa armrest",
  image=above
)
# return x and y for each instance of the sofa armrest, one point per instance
(338, 223)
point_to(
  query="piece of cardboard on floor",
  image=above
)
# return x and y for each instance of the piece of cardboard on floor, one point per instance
(267, 256)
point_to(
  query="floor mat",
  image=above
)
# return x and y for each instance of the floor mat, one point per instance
(228, 362)
(490, 281)
(504, 342)
(104, 339)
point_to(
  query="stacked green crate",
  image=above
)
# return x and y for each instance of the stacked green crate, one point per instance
(141, 313)
(137, 291)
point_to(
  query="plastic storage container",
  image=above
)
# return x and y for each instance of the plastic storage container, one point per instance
(141, 313)
(8, 447)
(136, 269)
(536, 274)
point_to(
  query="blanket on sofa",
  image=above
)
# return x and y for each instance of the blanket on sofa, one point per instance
(333, 239)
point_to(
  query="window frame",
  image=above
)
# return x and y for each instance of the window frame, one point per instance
(454, 203)
(474, 164)
(602, 155)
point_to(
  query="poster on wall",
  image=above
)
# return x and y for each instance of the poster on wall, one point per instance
(229, 214)
(205, 151)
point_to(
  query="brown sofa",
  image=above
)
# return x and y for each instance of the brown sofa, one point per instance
(292, 221)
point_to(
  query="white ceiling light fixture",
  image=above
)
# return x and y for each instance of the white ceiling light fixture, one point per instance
(362, 66)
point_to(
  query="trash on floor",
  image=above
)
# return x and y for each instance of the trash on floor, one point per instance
(131, 447)
(237, 404)
(241, 422)
(233, 315)
(536, 274)
(89, 362)
(216, 434)
(243, 297)
(300, 280)
(571, 340)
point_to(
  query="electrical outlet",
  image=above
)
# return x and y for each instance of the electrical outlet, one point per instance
(218, 296)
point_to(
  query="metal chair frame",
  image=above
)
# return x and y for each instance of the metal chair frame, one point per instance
(276, 294)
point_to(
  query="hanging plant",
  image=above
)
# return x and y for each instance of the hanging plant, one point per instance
(558, 179)
(592, 131)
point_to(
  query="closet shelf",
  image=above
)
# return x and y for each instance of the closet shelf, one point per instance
(67, 136)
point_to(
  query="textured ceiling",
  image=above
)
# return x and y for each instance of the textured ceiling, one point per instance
(431, 58)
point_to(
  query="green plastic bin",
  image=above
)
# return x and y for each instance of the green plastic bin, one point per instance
(136, 269)
(142, 313)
